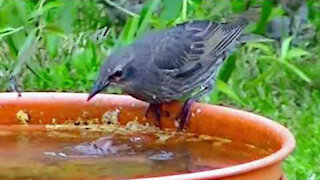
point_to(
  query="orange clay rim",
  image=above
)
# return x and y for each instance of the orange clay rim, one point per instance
(287, 139)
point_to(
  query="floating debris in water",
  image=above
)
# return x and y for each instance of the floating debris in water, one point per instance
(53, 120)
(163, 137)
(62, 154)
(110, 117)
(23, 117)
(50, 153)
(162, 156)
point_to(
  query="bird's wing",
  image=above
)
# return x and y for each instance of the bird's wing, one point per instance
(182, 48)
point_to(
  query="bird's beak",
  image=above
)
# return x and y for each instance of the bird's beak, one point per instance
(98, 87)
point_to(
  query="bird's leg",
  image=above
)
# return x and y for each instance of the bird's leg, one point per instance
(157, 111)
(14, 85)
(184, 115)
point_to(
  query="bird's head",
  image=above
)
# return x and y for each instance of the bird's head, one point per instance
(116, 70)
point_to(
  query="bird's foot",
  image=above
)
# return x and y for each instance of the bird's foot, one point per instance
(184, 115)
(156, 108)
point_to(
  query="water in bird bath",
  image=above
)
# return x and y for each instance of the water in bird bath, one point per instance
(127, 152)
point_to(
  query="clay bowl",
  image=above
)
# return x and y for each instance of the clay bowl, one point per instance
(206, 119)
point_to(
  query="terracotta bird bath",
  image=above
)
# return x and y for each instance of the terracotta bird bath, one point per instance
(41, 109)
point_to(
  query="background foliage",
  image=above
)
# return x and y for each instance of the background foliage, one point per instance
(58, 45)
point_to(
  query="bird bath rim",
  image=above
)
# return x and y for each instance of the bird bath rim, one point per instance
(285, 137)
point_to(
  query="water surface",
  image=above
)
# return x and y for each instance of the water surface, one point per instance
(57, 154)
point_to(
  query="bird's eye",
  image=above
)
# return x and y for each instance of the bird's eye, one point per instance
(118, 73)
(116, 76)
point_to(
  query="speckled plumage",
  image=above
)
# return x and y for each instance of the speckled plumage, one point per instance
(165, 65)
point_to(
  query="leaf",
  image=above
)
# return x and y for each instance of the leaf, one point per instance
(48, 6)
(128, 32)
(119, 7)
(227, 68)
(226, 89)
(269, 72)
(171, 9)
(68, 15)
(132, 29)
(27, 45)
(267, 58)
(146, 14)
(297, 71)
(266, 11)
(184, 10)
(220, 6)
(238, 6)
(52, 45)
(214, 96)
(8, 31)
(276, 12)
(296, 53)
(21, 11)
(289, 66)
(263, 47)
(51, 4)
(285, 47)
(54, 30)
(26, 51)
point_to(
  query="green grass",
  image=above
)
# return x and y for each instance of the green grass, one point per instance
(61, 41)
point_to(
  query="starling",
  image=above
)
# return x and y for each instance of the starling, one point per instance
(165, 65)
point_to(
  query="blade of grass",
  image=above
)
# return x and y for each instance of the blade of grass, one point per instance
(269, 72)
(121, 8)
(266, 11)
(296, 53)
(184, 10)
(227, 68)
(146, 14)
(297, 71)
(289, 66)
(25, 52)
(55, 30)
(285, 48)
(171, 9)
(128, 32)
(132, 29)
(45, 7)
(8, 31)
(267, 50)
(227, 90)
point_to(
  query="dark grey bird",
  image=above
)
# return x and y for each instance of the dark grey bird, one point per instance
(166, 65)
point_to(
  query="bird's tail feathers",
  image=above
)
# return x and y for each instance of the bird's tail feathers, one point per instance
(244, 38)
(252, 15)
